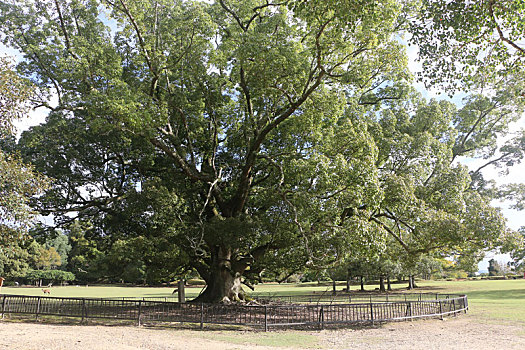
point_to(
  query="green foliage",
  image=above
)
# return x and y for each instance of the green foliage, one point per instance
(18, 181)
(15, 93)
(478, 43)
(48, 258)
(209, 133)
(494, 268)
(431, 204)
(84, 258)
(518, 254)
(49, 276)
(14, 261)
(243, 138)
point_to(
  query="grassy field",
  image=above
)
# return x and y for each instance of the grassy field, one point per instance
(498, 300)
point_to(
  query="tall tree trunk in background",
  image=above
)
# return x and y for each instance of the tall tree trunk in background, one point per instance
(382, 284)
(389, 284)
(362, 284)
(411, 282)
(348, 281)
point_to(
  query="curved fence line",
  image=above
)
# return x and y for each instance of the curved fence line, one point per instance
(255, 316)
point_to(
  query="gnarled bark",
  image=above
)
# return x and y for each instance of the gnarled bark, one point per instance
(223, 282)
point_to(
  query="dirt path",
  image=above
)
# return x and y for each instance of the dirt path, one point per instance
(465, 332)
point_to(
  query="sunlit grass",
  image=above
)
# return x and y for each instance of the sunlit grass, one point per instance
(489, 300)
(100, 291)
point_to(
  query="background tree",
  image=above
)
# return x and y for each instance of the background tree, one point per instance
(495, 268)
(14, 261)
(18, 181)
(518, 254)
(433, 205)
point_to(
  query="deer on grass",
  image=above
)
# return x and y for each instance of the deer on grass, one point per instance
(46, 291)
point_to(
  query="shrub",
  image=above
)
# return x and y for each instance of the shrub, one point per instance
(49, 276)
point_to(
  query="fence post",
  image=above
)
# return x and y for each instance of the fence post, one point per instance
(372, 312)
(440, 309)
(3, 306)
(84, 313)
(202, 315)
(265, 318)
(37, 308)
(181, 293)
(140, 312)
(465, 303)
(321, 317)
(454, 307)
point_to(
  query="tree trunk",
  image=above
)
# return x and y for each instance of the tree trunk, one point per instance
(382, 284)
(223, 284)
(348, 281)
(411, 282)
(389, 284)
(362, 284)
(222, 287)
(414, 281)
(334, 292)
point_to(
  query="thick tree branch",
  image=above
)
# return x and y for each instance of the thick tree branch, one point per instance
(392, 233)
(64, 31)
(504, 155)
(500, 32)
(193, 174)
(234, 15)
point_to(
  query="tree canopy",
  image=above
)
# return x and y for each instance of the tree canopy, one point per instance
(477, 44)
(240, 136)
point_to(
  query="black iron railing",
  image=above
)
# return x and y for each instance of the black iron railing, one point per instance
(276, 311)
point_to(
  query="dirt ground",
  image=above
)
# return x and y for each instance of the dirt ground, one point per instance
(464, 332)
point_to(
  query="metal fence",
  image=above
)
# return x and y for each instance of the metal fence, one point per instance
(354, 309)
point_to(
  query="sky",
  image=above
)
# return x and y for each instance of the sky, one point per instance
(514, 218)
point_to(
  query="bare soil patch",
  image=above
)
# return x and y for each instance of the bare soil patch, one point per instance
(464, 332)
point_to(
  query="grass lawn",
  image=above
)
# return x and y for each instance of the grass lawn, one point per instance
(491, 302)
(498, 300)
(100, 291)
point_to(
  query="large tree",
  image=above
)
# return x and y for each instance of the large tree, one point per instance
(236, 112)
(238, 136)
